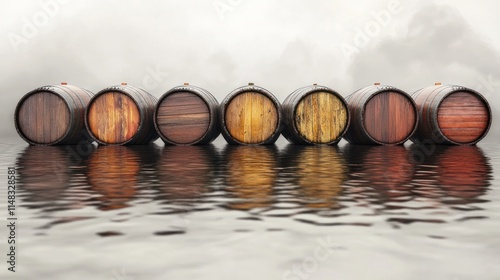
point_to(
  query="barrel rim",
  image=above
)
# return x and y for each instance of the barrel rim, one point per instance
(308, 90)
(382, 89)
(120, 89)
(198, 92)
(251, 88)
(456, 89)
(50, 89)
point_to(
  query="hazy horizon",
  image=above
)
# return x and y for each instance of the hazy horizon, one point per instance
(221, 45)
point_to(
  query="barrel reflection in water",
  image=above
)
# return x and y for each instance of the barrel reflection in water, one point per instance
(453, 174)
(319, 172)
(113, 173)
(184, 172)
(387, 170)
(251, 173)
(46, 173)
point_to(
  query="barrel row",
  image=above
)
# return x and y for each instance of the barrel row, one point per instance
(251, 115)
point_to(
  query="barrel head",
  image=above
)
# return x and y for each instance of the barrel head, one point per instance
(183, 117)
(113, 117)
(389, 117)
(251, 117)
(463, 117)
(321, 117)
(43, 117)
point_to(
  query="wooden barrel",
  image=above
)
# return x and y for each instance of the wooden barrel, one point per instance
(451, 114)
(120, 115)
(187, 115)
(251, 173)
(319, 171)
(381, 115)
(52, 115)
(113, 173)
(315, 115)
(185, 172)
(251, 115)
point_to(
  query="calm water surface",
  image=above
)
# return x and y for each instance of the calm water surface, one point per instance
(234, 212)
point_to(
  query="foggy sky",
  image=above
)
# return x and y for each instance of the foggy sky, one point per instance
(223, 44)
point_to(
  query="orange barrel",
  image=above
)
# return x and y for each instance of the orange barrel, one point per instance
(381, 114)
(251, 115)
(120, 115)
(451, 114)
(53, 115)
(315, 115)
(187, 115)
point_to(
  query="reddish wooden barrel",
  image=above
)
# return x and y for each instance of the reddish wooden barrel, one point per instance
(451, 114)
(187, 115)
(381, 114)
(251, 115)
(315, 115)
(53, 115)
(120, 115)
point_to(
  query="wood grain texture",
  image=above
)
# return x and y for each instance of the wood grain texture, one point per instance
(113, 117)
(389, 117)
(320, 174)
(113, 173)
(320, 117)
(43, 117)
(183, 117)
(251, 175)
(184, 172)
(251, 117)
(463, 117)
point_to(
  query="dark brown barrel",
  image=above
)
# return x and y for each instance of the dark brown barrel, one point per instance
(251, 115)
(120, 115)
(315, 115)
(451, 114)
(381, 114)
(187, 115)
(53, 115)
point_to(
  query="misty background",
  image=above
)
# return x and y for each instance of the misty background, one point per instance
(223, 44)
